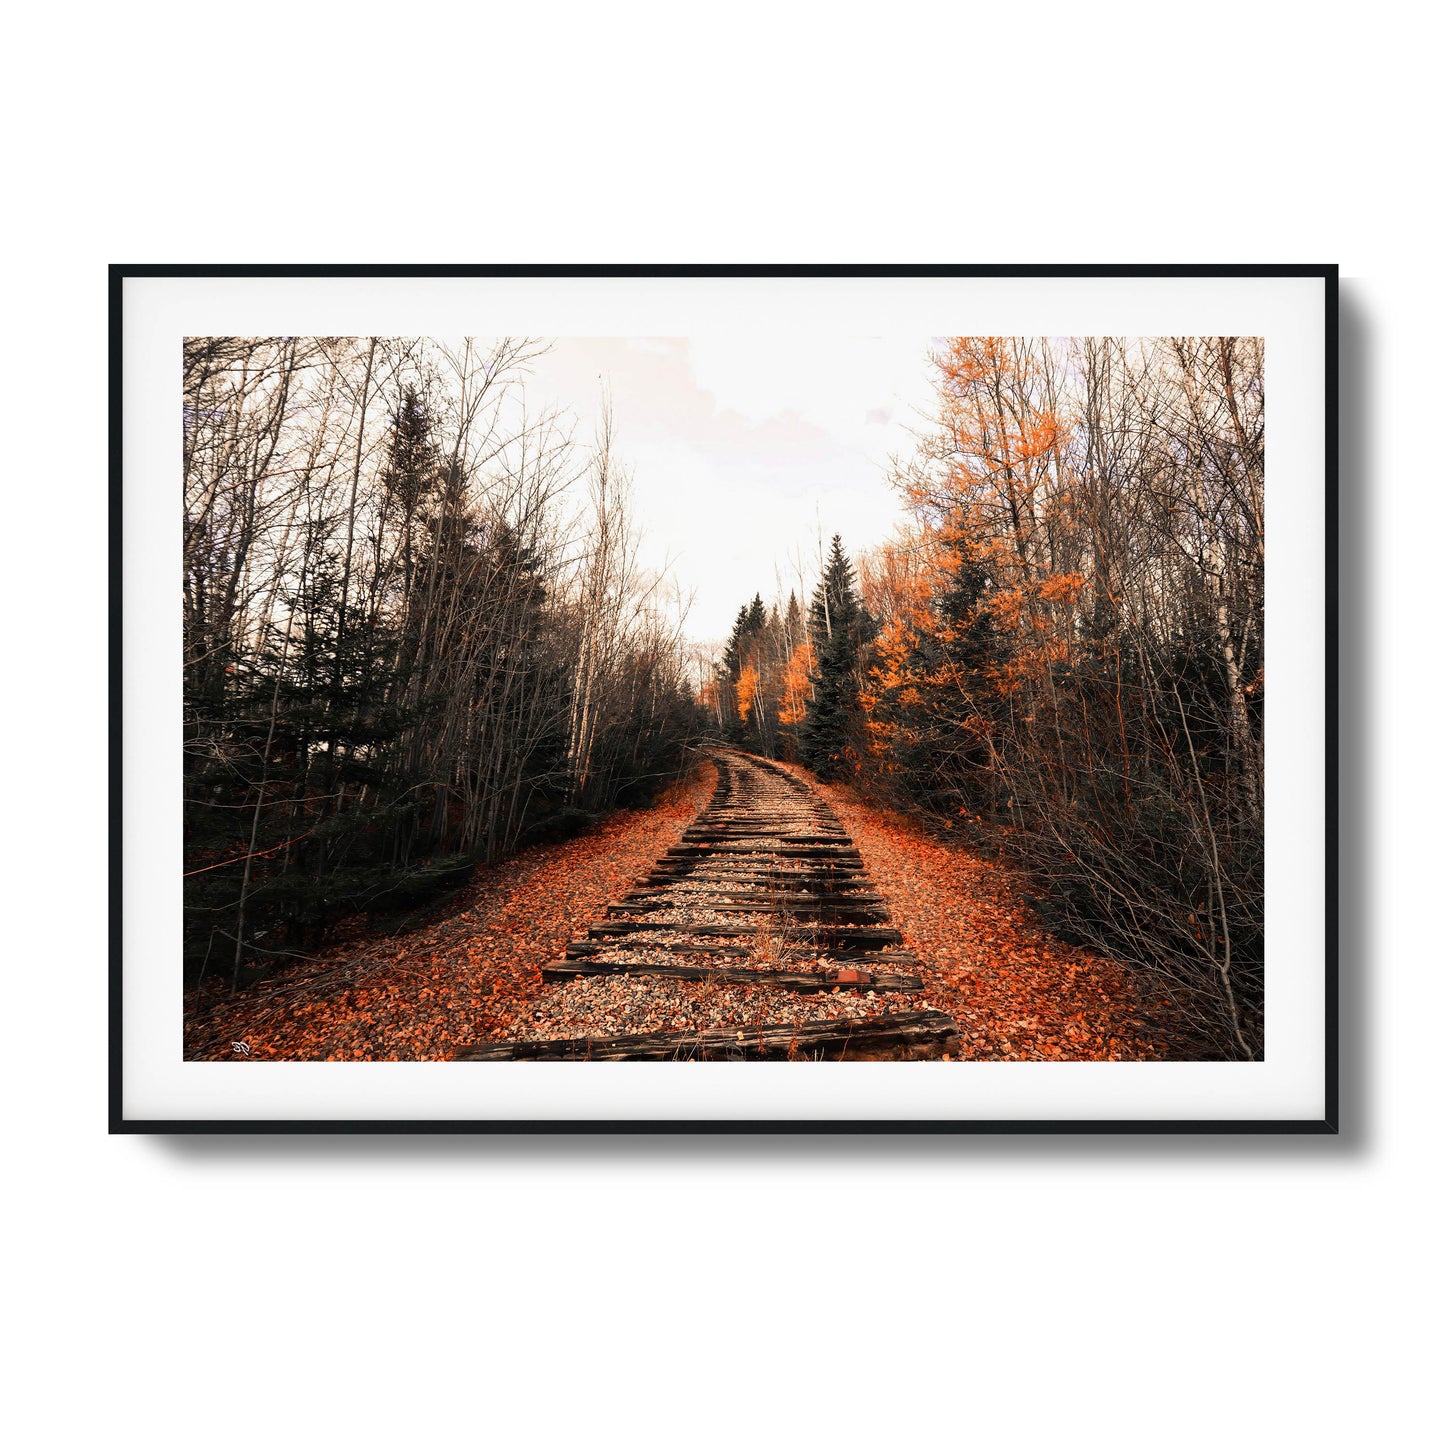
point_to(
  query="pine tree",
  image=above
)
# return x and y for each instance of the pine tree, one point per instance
(835, 601)
(953, 665)
(757, 615)
(732, 658)
(410, 474)
(830, 738)
(793, 622)
(741, 655)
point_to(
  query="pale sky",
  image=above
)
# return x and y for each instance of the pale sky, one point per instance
(741, 448)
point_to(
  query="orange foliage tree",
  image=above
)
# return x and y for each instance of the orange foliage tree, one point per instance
(759, 688)
(1070, 643)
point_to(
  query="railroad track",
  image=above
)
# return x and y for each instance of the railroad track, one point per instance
(764, 891)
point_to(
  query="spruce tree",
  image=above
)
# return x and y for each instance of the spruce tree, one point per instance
(741, 650)
(732, 658)
(757, 615)
(835, 599)
(830, 737)
(945, 700)
(793, 622)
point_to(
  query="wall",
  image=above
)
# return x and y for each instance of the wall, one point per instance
(1089, 1289)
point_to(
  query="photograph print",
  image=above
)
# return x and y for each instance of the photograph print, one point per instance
(733, 696)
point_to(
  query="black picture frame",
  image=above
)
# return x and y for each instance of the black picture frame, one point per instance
(121, 1123)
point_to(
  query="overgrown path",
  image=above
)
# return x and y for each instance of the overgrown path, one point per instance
(1017, 991)
(466, 976)
(761, 925)
(739, 902)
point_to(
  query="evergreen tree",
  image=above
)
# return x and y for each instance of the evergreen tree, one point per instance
(830, 738)
(741, 653)
(380, 664)
(757, 616)
(793, 622)
(411, 460)
(835, 599)
(943, 699)
(410, 474)
(732, 658)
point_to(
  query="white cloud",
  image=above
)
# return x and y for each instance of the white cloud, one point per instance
(743, 449)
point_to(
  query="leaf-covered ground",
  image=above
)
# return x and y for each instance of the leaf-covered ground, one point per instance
(455, 982)
(1016, 992)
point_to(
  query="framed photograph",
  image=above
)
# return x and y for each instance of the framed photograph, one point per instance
(840, 690)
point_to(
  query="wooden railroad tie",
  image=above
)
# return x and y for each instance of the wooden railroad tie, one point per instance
(788, 863)
(927, 1032)
(885, 960)
(808, 981)
(794, 911)
(822, 935)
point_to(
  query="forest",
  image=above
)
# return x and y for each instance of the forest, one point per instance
(1060, 657)
(416, 634)
(418, 638)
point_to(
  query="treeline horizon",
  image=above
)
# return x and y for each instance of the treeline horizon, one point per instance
(1060, 656)
(416, 634)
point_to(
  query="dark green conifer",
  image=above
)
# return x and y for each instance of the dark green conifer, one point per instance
(830, 740)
